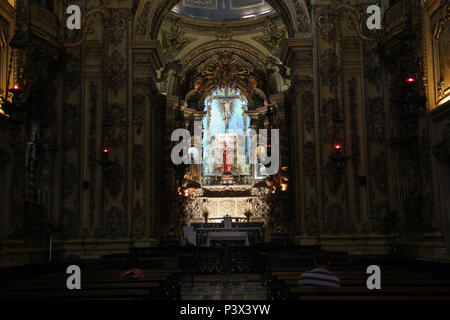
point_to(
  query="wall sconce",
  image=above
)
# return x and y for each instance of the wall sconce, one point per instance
(186, 192)
(338, 158)
(11, 103)
(14, 109)
(105, 163)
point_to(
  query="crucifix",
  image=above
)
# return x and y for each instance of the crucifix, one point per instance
(226, 100)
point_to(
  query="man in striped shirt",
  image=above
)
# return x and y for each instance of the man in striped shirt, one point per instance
(320, 276)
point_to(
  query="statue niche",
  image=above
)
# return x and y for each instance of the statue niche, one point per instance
(225, 139)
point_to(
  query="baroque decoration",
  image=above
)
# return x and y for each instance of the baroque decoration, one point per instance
(225, 70)
(235, 207)
(115, 125)
(311, 218)
(355, 146)
(114, 224)
(330, 68)
(144, 19)
(441, 23)
(115, 73)
(173, 41)
(273, 37)
(116, 25)
(139, 112)
(376, 125)
(93, 147)
(87, 25)
(303, 19)
(224, 33)
(138, 165)
(138, 221)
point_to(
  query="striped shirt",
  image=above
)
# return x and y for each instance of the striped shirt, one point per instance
(319, 278)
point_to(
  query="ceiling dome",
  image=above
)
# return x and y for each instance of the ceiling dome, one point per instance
(223, 10)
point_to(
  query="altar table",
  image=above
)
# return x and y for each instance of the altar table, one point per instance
(227, 236)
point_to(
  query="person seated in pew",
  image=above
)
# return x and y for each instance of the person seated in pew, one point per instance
(320, 276)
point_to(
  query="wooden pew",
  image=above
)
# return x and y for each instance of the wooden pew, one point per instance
(99, 293)
(99, 284)
(361, 293)
(384, 282)
(282, 281)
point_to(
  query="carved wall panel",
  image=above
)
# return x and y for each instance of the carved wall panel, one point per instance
(146, 119)
(408, 130)
(440, 40)
(330, 54)
(17, 200)
(220, 207)
(69, 157)
(116, 118)
(355, 138)
(308, 126)
(436, 50)
(376, 183)
(114, 224)
(138, 222)
(93, 152)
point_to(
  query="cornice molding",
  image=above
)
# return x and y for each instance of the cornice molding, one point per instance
(150, 48)
(295, 48)
(211, 27)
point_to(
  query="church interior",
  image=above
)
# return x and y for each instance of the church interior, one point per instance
(209, 149)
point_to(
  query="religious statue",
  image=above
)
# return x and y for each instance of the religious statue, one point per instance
(227, 113)
(226, 163)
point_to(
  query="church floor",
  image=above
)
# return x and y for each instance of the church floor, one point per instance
(224, 287)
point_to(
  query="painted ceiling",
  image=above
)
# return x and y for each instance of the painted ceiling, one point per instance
(223, 10)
